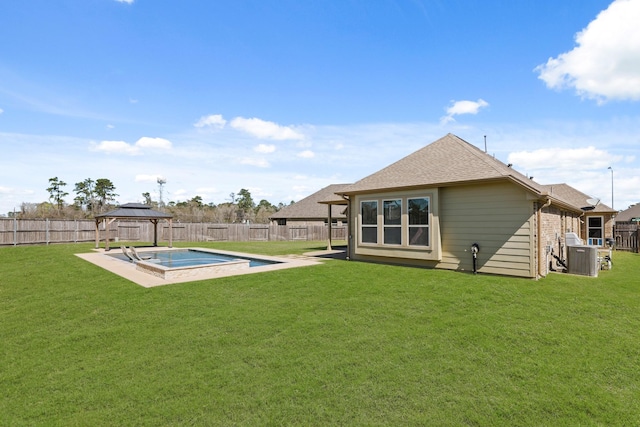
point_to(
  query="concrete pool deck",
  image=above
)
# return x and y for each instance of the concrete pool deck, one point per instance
(129, 271)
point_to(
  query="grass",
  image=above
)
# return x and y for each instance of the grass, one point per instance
(344, 343)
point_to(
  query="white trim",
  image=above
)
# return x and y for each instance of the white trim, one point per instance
(594, 241)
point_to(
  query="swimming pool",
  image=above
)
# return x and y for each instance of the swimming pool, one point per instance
(149, 275)
(193, 257)
(192, 263)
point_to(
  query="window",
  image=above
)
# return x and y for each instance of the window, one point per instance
(392, 222)
(369, 213)
(595, 231)
(418, 221)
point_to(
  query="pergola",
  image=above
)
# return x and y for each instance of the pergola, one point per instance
(132, 212)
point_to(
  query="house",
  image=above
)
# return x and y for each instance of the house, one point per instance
(435, 207)
(627, 230)
(311, 210)
(631, 214)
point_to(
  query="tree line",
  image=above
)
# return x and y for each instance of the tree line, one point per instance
(98, 196)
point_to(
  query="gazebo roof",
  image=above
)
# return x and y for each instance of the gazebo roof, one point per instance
(134, 211)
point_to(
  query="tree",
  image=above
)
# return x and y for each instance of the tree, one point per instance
(196, 201)
(263, 211)
(147, 199)
(245, 205)
(86, 194)
(244, 200)
(265, 204)
(56, 193)
(105, 191)
(226, 212)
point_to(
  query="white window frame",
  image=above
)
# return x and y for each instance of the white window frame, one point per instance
(369, 226)
(595, 241)
(386, 226)
(426, 226)
(403, 226)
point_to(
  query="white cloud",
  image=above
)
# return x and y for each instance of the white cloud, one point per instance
(206, 190)
(110, 126)
(567, 159)
(148, 178)
(147, 142)
(116, 147)
(306, 154)
(180, 192)
(125, 1)
(605, 64)
(261, 163)
(212, 120)
(463, 107)
(265, 148)
(131, 100)
(122, 147)
(263, 129)
(1, 111)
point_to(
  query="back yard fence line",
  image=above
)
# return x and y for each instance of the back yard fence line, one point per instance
(15, 232)
(627, 236)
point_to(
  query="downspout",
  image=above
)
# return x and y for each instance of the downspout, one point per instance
(349, 227)
(546, 204)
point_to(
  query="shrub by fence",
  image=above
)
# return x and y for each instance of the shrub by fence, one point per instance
(15, 231)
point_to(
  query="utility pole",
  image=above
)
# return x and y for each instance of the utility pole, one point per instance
(611, 186)
(161, 182)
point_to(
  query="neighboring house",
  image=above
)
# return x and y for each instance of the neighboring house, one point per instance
(632, 214)
(431, 207)
(627, 232)
(311, 211)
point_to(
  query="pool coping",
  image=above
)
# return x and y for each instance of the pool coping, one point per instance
(129, 271)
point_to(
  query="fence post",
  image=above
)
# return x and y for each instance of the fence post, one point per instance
(46, 230)
(15, 230)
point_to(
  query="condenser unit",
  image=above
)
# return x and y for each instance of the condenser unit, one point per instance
(583, 260)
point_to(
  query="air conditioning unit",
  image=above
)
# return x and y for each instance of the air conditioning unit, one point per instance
(583, 260)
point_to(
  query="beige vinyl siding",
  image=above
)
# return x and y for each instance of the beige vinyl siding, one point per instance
(499, 217)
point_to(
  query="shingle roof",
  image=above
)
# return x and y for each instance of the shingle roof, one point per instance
(447, 161)
(575, 198)
(630, 213)
(134, 211)
(311, 207)
(451, 160)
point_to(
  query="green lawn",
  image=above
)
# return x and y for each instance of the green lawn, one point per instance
(343, 343)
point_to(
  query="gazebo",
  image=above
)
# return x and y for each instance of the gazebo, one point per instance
(132, 212)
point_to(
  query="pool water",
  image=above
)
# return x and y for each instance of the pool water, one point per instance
(191, 258)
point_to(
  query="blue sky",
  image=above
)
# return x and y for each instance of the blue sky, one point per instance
(285, 97)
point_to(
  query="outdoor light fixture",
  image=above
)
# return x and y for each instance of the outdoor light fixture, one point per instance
(610, 168)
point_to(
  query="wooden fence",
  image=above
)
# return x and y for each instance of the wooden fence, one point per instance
(45, 231)
(626, 236)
